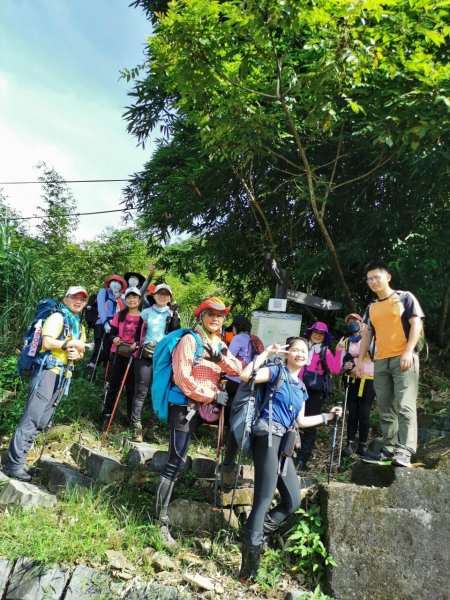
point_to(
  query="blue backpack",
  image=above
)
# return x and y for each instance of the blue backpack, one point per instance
(31, 357)
(163, 385)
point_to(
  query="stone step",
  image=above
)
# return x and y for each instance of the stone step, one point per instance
(31, 581)
(99, 466)
(27, 495)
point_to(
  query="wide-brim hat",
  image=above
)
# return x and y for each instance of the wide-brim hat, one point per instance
(353, 316)
(134, 274)
(323, 328)
(214, 303)
(118, 278)
(150, 289)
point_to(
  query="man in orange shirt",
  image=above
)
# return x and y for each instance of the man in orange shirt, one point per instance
(395, 320)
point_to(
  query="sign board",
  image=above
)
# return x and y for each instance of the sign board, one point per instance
(314, 301)
(277, 304)
(274, 328)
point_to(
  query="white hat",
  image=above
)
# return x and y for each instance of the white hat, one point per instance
(76, 289)
(132, 290)
(163, 286)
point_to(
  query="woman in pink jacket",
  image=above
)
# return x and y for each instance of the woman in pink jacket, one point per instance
(316, 376)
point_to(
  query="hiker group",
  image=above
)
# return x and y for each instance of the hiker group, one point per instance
(262, 397)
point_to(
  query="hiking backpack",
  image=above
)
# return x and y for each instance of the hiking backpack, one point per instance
(316, 381)
(90, 311)
(30, 357)
(248, 404)
(163, 386)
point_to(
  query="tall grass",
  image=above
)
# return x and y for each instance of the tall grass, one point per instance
(19, 291)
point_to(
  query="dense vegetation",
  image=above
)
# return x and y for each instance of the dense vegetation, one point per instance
(316, 130)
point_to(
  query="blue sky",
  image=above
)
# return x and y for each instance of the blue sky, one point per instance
(61, 100)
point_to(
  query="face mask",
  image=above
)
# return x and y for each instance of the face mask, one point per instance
(115, 286)
(133, 282)
(353, 327)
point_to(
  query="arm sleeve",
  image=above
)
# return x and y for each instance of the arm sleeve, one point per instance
(334, 362)
(53, 326)
(101, 298)
(412, 306)
(230, 364)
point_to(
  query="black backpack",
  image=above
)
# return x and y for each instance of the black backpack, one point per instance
(90, 312)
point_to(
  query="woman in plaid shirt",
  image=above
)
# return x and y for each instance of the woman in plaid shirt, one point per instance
(197, 380)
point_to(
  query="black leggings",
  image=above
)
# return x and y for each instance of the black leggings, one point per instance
(143, 369)
(116, 371)
(180, 436)
(267, 480)
(359, 409)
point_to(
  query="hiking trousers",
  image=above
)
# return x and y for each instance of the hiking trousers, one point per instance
(359, 409)
(143, 369)
(267, 480)
(396, 393)
(39, 409)
(116, 371)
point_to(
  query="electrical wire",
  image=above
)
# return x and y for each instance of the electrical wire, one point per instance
(100, 212)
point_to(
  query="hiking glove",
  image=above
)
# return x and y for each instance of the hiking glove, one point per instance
(107, 327)
(214, 355)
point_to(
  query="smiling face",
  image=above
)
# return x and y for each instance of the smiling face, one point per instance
(298, 354)
(75, 303)
(132, 300)
(162, 298)
(317, 337)
(212, 320)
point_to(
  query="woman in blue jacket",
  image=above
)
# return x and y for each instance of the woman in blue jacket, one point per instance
(272, 470)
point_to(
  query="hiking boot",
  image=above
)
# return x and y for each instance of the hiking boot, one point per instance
(137, 436)
(165, 535)
(381, 457)
(19, 474)
(250, 563)
(362, 450)
(401, 459)
(349, 448)
(302, 465)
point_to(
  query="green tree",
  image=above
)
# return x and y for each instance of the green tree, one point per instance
(295, 112)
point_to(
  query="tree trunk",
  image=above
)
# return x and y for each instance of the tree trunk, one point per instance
(443, 313)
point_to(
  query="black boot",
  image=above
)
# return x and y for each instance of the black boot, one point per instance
(362, 450)
(163, 494)
(349, 448)
(250, 562)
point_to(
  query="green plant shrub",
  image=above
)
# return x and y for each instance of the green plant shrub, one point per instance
(9, 380)
(307, 546)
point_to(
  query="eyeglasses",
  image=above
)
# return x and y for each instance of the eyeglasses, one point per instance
(78, 298)
(212, 314)
(374, 278)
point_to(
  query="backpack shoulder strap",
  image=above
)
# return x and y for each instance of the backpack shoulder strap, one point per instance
(323, 359)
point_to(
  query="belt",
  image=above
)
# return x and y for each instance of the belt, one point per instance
(362, 382)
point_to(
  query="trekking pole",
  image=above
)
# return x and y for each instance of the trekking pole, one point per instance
(98, 356)
(219, 451)
(347, 383)
(105, 433)
(333, 444)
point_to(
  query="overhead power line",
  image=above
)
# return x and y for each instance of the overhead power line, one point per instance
(100, 212)
(62, 181)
